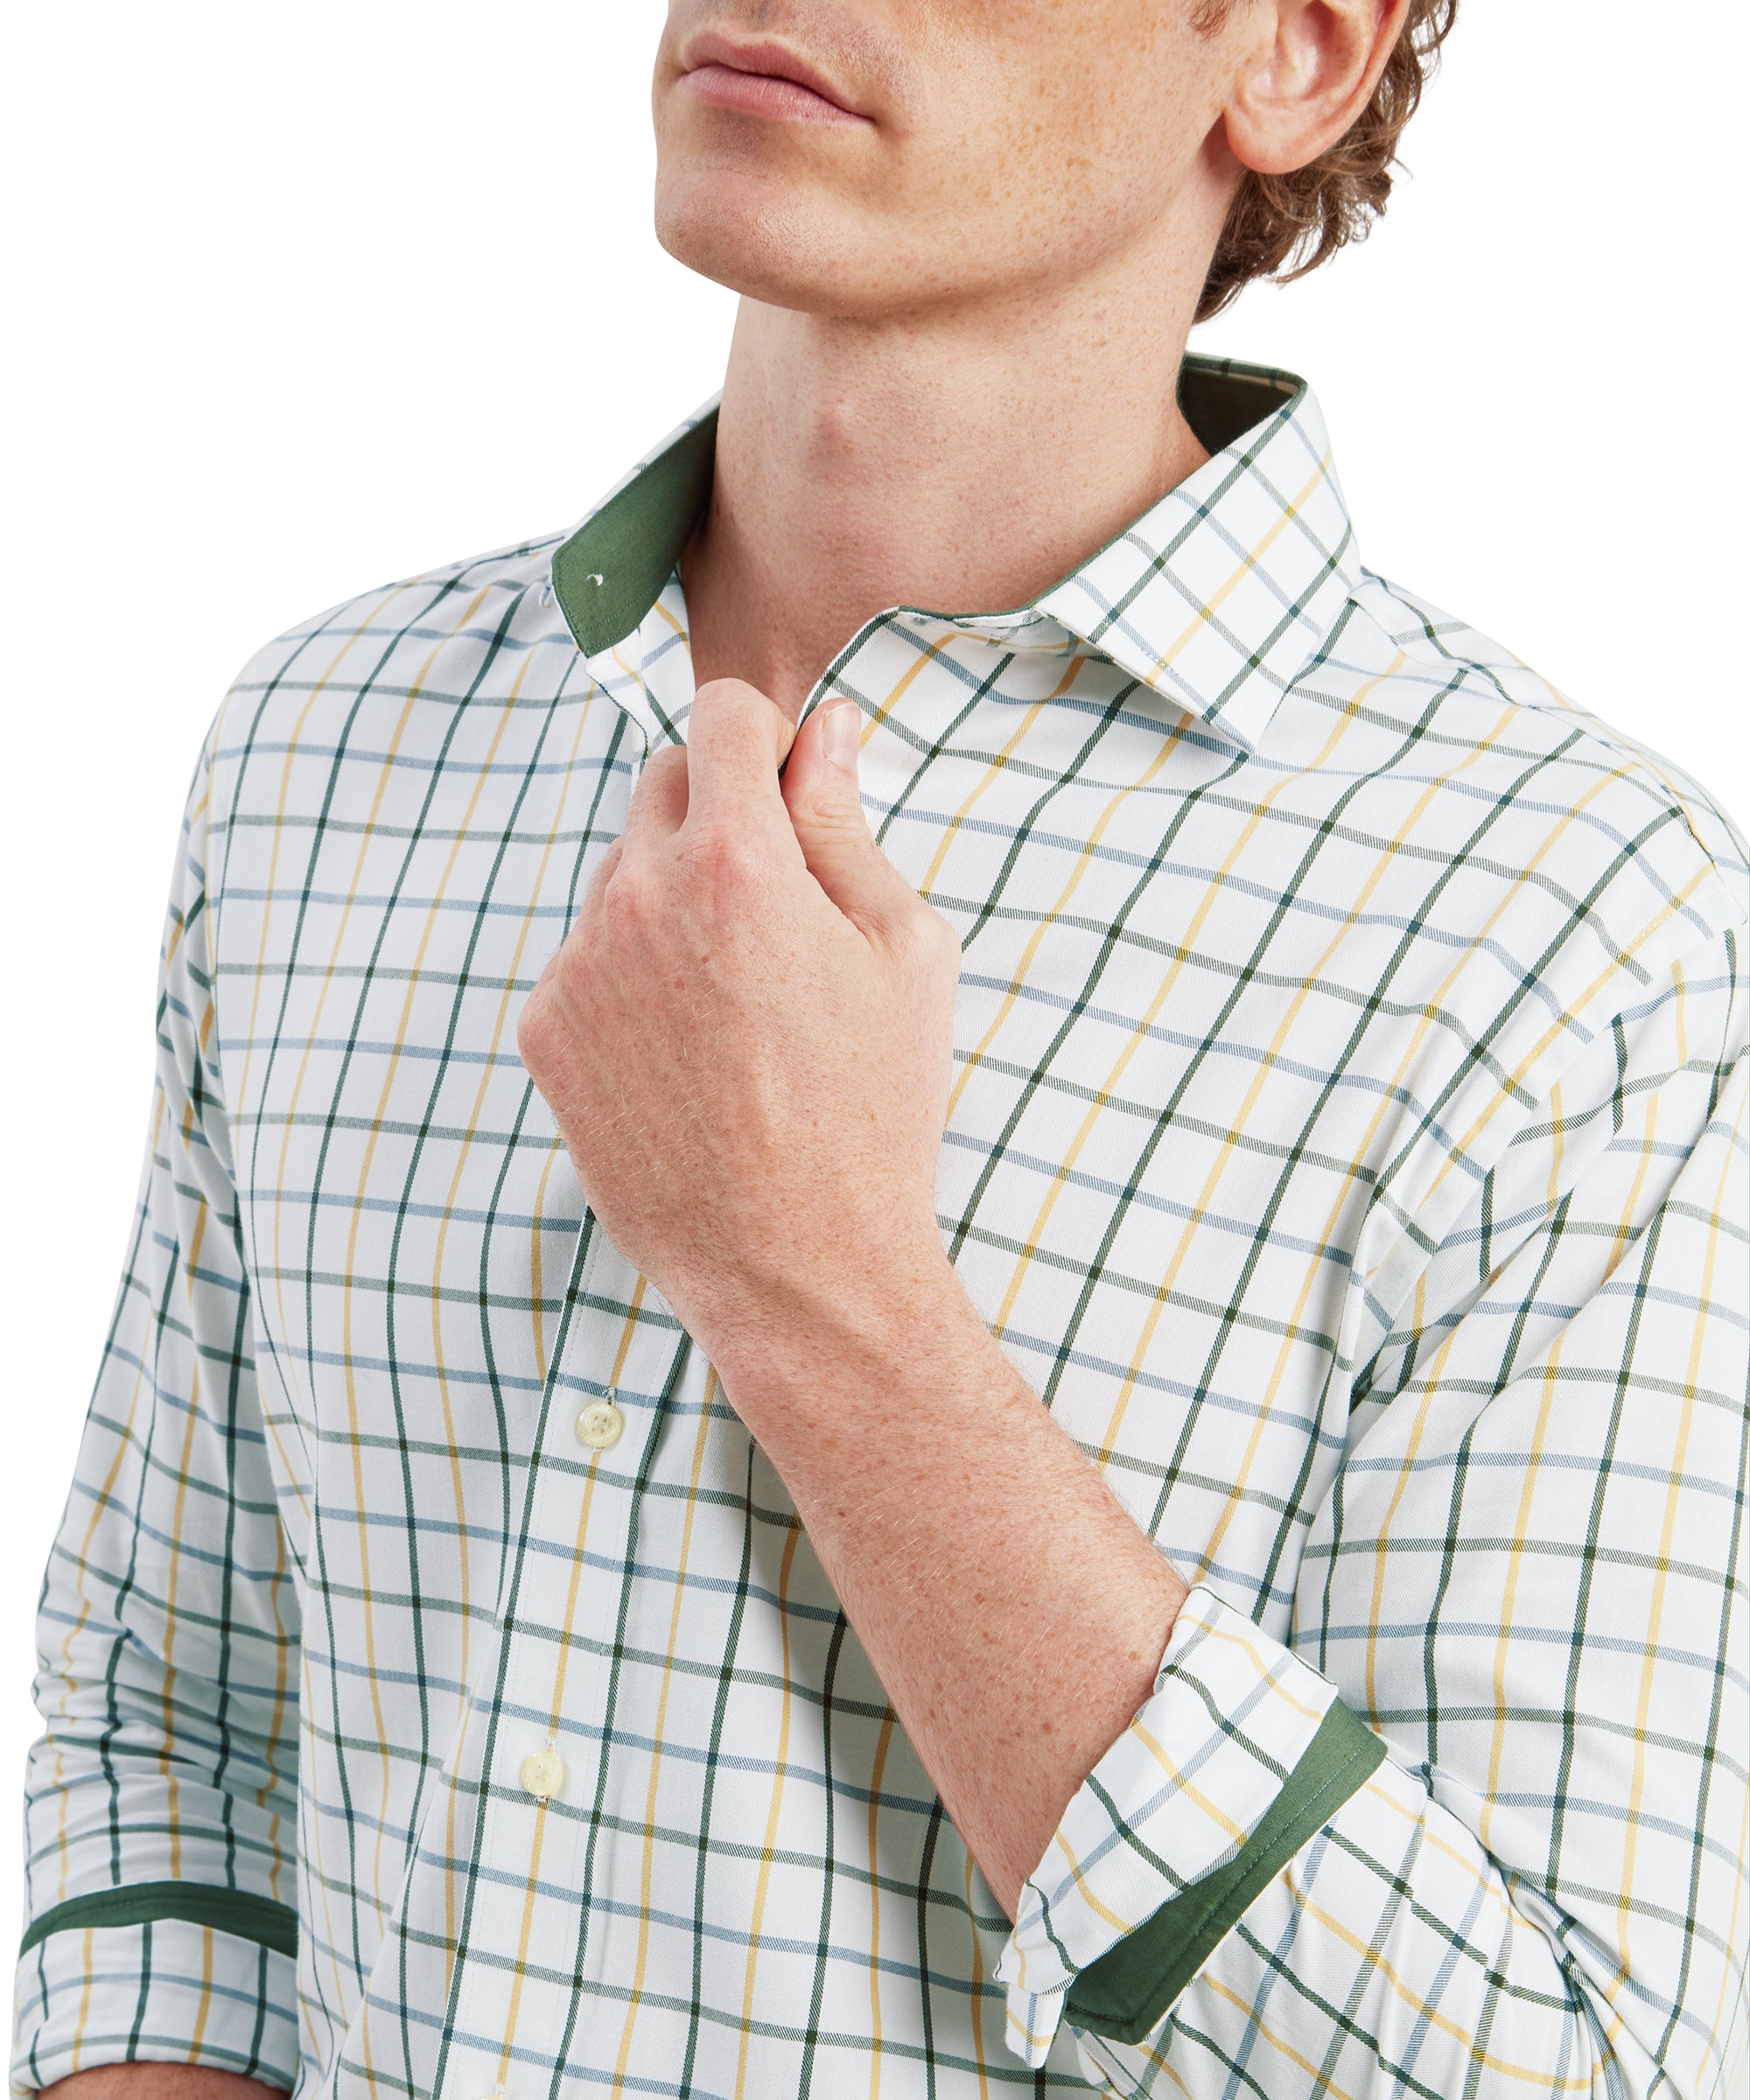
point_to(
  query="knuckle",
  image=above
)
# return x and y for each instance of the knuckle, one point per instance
(738, 714)
(722, 694)
(721, 858)
(832, 814)
(625, 908)
(671, 759)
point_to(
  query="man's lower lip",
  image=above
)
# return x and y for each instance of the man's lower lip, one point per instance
(765, 95)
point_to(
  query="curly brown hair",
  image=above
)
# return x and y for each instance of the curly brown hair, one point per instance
(1303, 217)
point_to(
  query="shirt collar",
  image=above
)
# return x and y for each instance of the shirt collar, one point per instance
(1217, 599)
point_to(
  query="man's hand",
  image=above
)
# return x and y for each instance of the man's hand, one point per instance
(747, 1038)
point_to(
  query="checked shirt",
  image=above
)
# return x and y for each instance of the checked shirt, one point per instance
(1347, 1144)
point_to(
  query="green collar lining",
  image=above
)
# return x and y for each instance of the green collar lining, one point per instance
(611, 570)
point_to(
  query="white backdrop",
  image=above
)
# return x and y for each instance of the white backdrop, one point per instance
(1526, 372)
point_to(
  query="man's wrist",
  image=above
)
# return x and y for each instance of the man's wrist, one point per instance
(840, 1335)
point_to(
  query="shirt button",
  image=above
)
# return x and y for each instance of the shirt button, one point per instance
(542, 1774)
(599, 1424)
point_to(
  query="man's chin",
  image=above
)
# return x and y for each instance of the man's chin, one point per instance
(764, 241)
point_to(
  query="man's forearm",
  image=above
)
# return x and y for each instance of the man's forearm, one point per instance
(1013, 1609)
(161, 2082)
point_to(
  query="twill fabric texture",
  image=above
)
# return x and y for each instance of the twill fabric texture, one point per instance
(1347, 1143)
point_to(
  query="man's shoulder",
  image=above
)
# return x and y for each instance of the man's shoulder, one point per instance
(1493, 727)
(1552, 878)
(420, 637)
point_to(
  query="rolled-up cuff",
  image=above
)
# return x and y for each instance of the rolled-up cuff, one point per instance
(1241, 1752)
(166, 1989)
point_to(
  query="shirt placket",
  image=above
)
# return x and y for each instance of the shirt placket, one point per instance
(525, 1943)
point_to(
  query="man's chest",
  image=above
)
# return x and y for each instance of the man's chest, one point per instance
(1175, 1078)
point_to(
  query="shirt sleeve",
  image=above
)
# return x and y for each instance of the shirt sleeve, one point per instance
(1479, 1825)
(161, 1800)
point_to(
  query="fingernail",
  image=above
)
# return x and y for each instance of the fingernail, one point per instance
(839, 735)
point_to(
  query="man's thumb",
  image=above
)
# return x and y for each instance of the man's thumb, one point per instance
(820, 792)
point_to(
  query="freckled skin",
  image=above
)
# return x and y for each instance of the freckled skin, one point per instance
(970, 306)
(1014, 142)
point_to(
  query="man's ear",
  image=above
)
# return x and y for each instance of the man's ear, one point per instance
(1302, 87)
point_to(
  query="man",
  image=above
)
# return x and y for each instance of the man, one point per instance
(925, 1351)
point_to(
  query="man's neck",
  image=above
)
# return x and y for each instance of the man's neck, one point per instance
(961, 463)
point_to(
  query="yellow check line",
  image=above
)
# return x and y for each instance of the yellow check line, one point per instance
(762, 1888)
(881, 1746)
(648, 1883)
(628, 1328)
(200, 2018)
(980, 1988)
(926, 657)
(519, 1970)
(1667, 1533)
(536, 1289)
(1522, 1535)
(184, 1467)
(1384, 1531)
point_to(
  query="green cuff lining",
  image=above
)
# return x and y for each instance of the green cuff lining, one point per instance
(1128, 1991)
(244, 1916)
